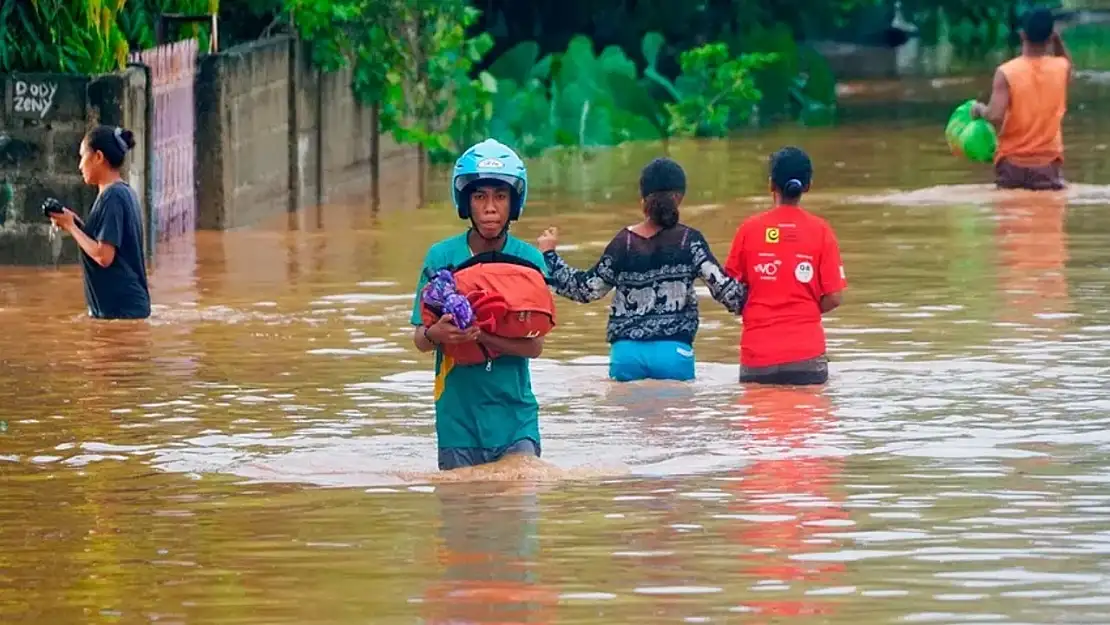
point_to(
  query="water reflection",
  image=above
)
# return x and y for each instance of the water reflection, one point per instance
(120, 352)
(785, 499)
(1033, 253)
(488, 549)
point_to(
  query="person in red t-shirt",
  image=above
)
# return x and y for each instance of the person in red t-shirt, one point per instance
(791, 261)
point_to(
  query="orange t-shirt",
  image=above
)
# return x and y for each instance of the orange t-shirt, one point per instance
(790, 259)
(1031, 133)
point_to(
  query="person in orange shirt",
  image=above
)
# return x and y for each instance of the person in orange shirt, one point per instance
(790, 260)
(1027, 106)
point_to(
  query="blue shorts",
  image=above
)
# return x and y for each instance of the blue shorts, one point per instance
(459, 457)
(651, 360)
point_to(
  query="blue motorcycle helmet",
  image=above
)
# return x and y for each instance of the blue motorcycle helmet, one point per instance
(485, 161)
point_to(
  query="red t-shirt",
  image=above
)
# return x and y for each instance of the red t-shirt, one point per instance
(790, 259)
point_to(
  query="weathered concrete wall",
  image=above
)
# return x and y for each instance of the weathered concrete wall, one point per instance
(42, 122)
(402, 171)
(275, 135)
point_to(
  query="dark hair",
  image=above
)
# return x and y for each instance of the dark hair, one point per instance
(662, 184)
(662, 207)
(113, 142)
(1038, 25)
(791, 172)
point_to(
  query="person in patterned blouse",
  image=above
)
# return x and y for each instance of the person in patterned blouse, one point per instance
(652, 265)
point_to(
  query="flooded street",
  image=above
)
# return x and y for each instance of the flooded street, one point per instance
(235, 459)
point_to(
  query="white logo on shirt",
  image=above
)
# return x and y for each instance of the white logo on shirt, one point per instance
(768, 269)
(842, 276)
(804, 272)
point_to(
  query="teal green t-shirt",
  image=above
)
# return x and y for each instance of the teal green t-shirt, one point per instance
(476, 407)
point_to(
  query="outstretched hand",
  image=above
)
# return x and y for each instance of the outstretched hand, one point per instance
(548, 240)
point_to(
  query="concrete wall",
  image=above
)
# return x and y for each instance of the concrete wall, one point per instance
(275, 135)
(39, 152)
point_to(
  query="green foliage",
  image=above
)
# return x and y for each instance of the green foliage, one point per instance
(412, 59)
(575, 98)
(796, 84)
(974, 28)
(416, 62)
(243, 21)
(7, 194)
(1089, 45)
(685, 24)
(137, 20)
(715, 92)
(83, 36)
(718, 91)
(64, 36)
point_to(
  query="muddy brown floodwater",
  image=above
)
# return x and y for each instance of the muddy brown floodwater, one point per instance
(236, 459)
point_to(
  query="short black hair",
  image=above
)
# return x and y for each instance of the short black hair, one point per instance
(113, 142)
(662, 174)
(791, 172)
(1038, 25)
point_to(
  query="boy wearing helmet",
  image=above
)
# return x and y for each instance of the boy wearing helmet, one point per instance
(483, 412)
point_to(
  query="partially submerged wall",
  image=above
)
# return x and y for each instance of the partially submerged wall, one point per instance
(43, 120)
(275, 135)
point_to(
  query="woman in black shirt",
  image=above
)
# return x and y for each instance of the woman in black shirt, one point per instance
(111, 241)
(654, 315)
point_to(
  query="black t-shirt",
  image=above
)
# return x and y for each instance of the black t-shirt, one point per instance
(118, 291)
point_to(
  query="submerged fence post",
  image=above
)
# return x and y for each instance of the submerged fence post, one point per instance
(148, 158)
(319, 137)
(294, 183)
(375, 159)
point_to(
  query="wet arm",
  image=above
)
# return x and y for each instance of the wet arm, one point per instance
(525, 348)
(995, 111)
(734, 264)
(419, 336)
(1059, 49)
(831, 302)
(420, 340)
(580, 286)
(101, 252)
(730, 292)
(101, 245)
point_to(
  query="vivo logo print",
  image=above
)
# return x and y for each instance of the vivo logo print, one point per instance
(768, 269)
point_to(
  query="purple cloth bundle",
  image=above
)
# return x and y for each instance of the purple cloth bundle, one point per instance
(440, 295)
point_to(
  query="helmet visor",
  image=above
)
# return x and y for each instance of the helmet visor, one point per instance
(473, 180)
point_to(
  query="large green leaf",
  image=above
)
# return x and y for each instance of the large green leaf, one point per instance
(542, 69)
(614, 61)
(632, 97)
(650, 46)
(578, 66)
(584, 117)
(516, 63)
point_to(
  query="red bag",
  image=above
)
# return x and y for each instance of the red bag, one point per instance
(510, 299)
